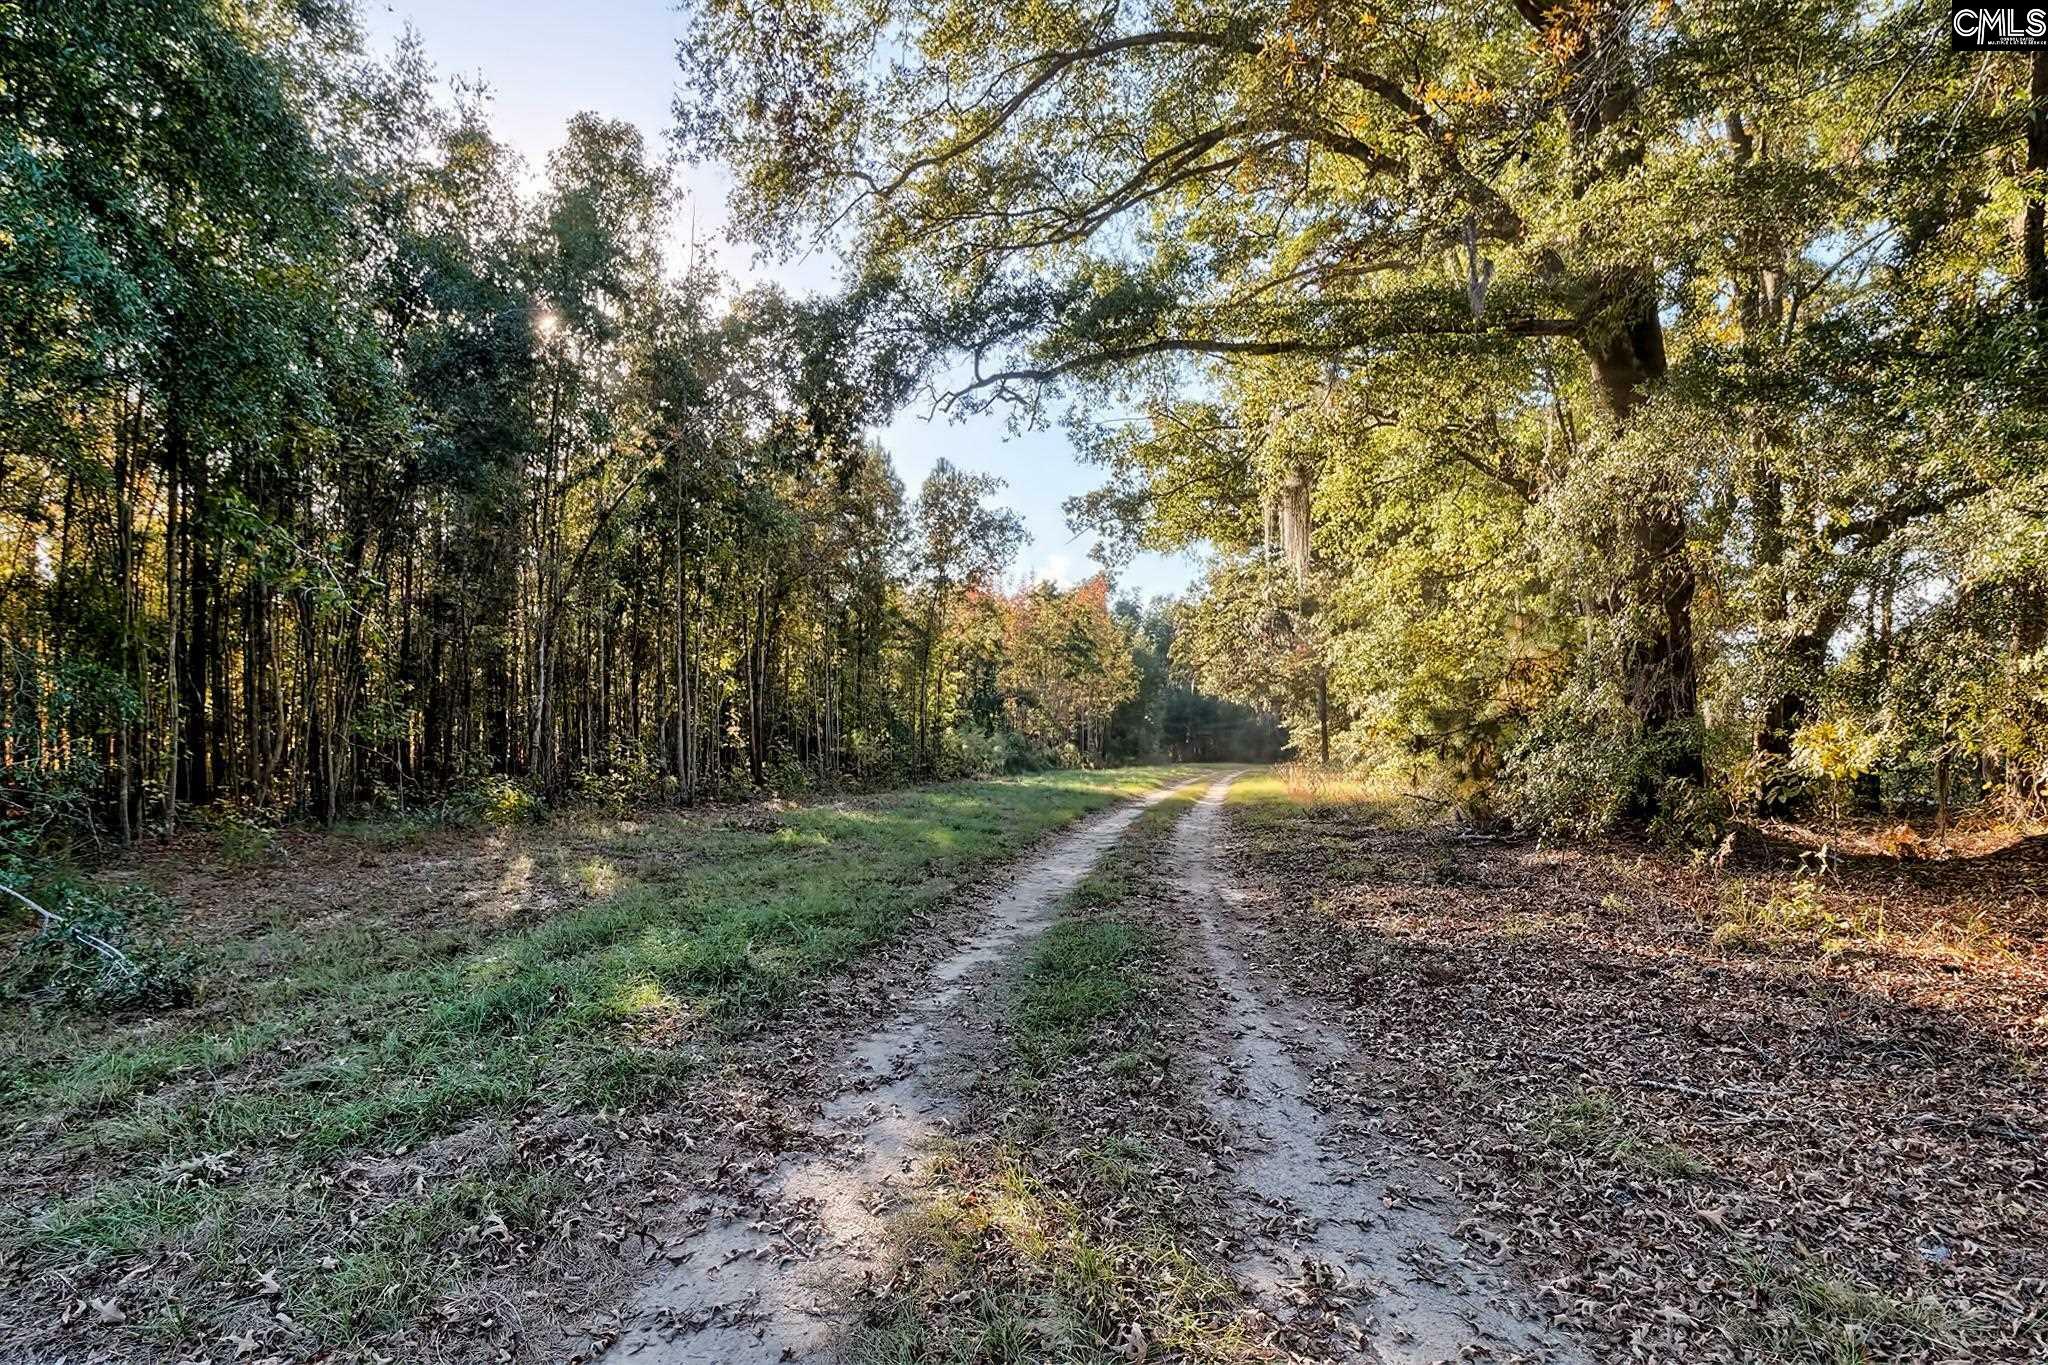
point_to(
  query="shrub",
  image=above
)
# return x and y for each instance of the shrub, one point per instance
(98, 951)
(974, 753)
(244, 841)
(1586, 767)
(86, 948)
(1797, 914)
(1839, 749)
(1690, 816)
(1764, 781)
(626, 781)
(493, 800)
(878, 758)
(788, 776)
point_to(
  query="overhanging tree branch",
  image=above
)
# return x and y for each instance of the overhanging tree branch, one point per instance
(1253, 347)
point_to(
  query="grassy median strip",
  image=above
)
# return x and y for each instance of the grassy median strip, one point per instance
(250, 1139)
(1062, 1230)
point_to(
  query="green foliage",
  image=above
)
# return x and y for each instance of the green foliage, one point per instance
(245, 840)
(352, 469)
(1839, 750)
(972, 753)
(1578, 436)
(1587, 399)
(631, 779)
(493, 800)
(1799, 914)
(102, 952)
(1585, 767)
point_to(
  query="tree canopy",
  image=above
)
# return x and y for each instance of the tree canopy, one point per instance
(345, 464)
(1631, 395)
(1608, 408)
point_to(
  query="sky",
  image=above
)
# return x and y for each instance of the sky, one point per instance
(545, 61)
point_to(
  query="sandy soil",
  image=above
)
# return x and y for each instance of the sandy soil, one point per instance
(773, 1270)
(1328, 1202)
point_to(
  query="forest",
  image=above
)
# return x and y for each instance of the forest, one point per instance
(344, 470)
(1642, 421)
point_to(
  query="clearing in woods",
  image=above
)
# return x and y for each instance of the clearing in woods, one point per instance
(1247, 1067)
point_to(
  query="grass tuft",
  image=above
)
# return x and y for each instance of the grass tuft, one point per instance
(1591, 1123)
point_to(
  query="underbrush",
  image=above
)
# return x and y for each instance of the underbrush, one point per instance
(89, 945)
(105, 952)
(1797, 914)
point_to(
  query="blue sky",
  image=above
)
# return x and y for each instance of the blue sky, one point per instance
(545, 61)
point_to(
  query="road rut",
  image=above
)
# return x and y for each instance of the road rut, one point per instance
(1325, 1214)
(775, 1272)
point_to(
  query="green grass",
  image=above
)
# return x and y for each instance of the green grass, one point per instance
(1012, 1268)
(1815, 1313)
(1089, 965)
(1082, 972)
(1591, 1123)
(315, 1049)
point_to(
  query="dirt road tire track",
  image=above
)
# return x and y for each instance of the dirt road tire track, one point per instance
(774, 1271)
(1321, 1204)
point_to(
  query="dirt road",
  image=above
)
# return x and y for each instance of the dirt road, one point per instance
(773, 1270)
(776, 1266)
(1357, 1215)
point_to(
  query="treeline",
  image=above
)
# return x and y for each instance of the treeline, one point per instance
(1613, 410)
(338, 466)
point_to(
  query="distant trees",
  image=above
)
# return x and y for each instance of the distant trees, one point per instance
(1171, 713)
(960, 547)
(1621, 403)
(1067, 665)
(339, 467)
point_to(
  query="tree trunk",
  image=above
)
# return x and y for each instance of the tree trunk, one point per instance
(1323, 712)
(174, 462)
(2034, 217)
(1660, 670)
(123, 537)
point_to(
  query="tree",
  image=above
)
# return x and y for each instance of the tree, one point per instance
(1067, 665)
(1652, 296)
(959, 545)
(1098, 157)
